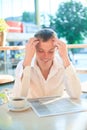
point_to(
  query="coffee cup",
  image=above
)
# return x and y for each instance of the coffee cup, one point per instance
(18, 102)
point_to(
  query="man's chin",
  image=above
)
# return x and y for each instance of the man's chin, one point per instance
(46, 61)
(46, 64)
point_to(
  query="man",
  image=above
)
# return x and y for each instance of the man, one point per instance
(52, 71)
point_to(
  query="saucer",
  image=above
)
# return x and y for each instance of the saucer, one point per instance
(11, 108)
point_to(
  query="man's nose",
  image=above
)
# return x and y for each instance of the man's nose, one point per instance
(45, 54)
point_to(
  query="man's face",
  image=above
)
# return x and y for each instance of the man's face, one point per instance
(45, 53)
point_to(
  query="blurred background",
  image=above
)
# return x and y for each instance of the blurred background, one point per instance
(24, 17)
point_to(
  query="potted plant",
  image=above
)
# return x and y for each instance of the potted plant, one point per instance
(3, 30)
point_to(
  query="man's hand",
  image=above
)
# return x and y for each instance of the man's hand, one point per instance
(30, 51)
(62, 49)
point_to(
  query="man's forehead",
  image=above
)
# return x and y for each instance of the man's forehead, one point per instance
(48, 43)
(45, 46)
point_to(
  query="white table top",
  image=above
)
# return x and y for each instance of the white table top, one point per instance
(28, 120)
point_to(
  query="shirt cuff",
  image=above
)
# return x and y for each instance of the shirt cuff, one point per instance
(26, 70)
(70, 70)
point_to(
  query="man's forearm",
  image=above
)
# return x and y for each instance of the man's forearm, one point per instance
(27, 62)
(66, 62)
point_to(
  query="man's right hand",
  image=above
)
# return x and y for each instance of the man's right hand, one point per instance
(30, 51)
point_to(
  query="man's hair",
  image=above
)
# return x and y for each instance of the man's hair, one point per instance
(45, 34)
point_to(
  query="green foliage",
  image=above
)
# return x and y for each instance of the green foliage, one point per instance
(28, 17)
(70, 22)
(3, 98)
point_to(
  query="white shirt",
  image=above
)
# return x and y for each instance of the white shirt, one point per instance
(34, 85)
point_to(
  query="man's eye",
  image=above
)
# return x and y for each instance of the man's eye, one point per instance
(51, 51)
(40, 51)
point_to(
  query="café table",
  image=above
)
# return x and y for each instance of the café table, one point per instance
(28, 120)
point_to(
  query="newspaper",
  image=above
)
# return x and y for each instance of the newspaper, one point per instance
(50, 106)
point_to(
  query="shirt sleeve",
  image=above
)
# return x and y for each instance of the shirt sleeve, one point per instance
(22, 80)
(73, 86)
(25, 81)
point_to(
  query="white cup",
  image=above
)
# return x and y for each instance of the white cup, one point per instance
(18, 102)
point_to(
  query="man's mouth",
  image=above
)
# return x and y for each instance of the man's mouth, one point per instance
(45, 60)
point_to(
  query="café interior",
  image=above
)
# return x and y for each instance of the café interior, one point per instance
(68, 117)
